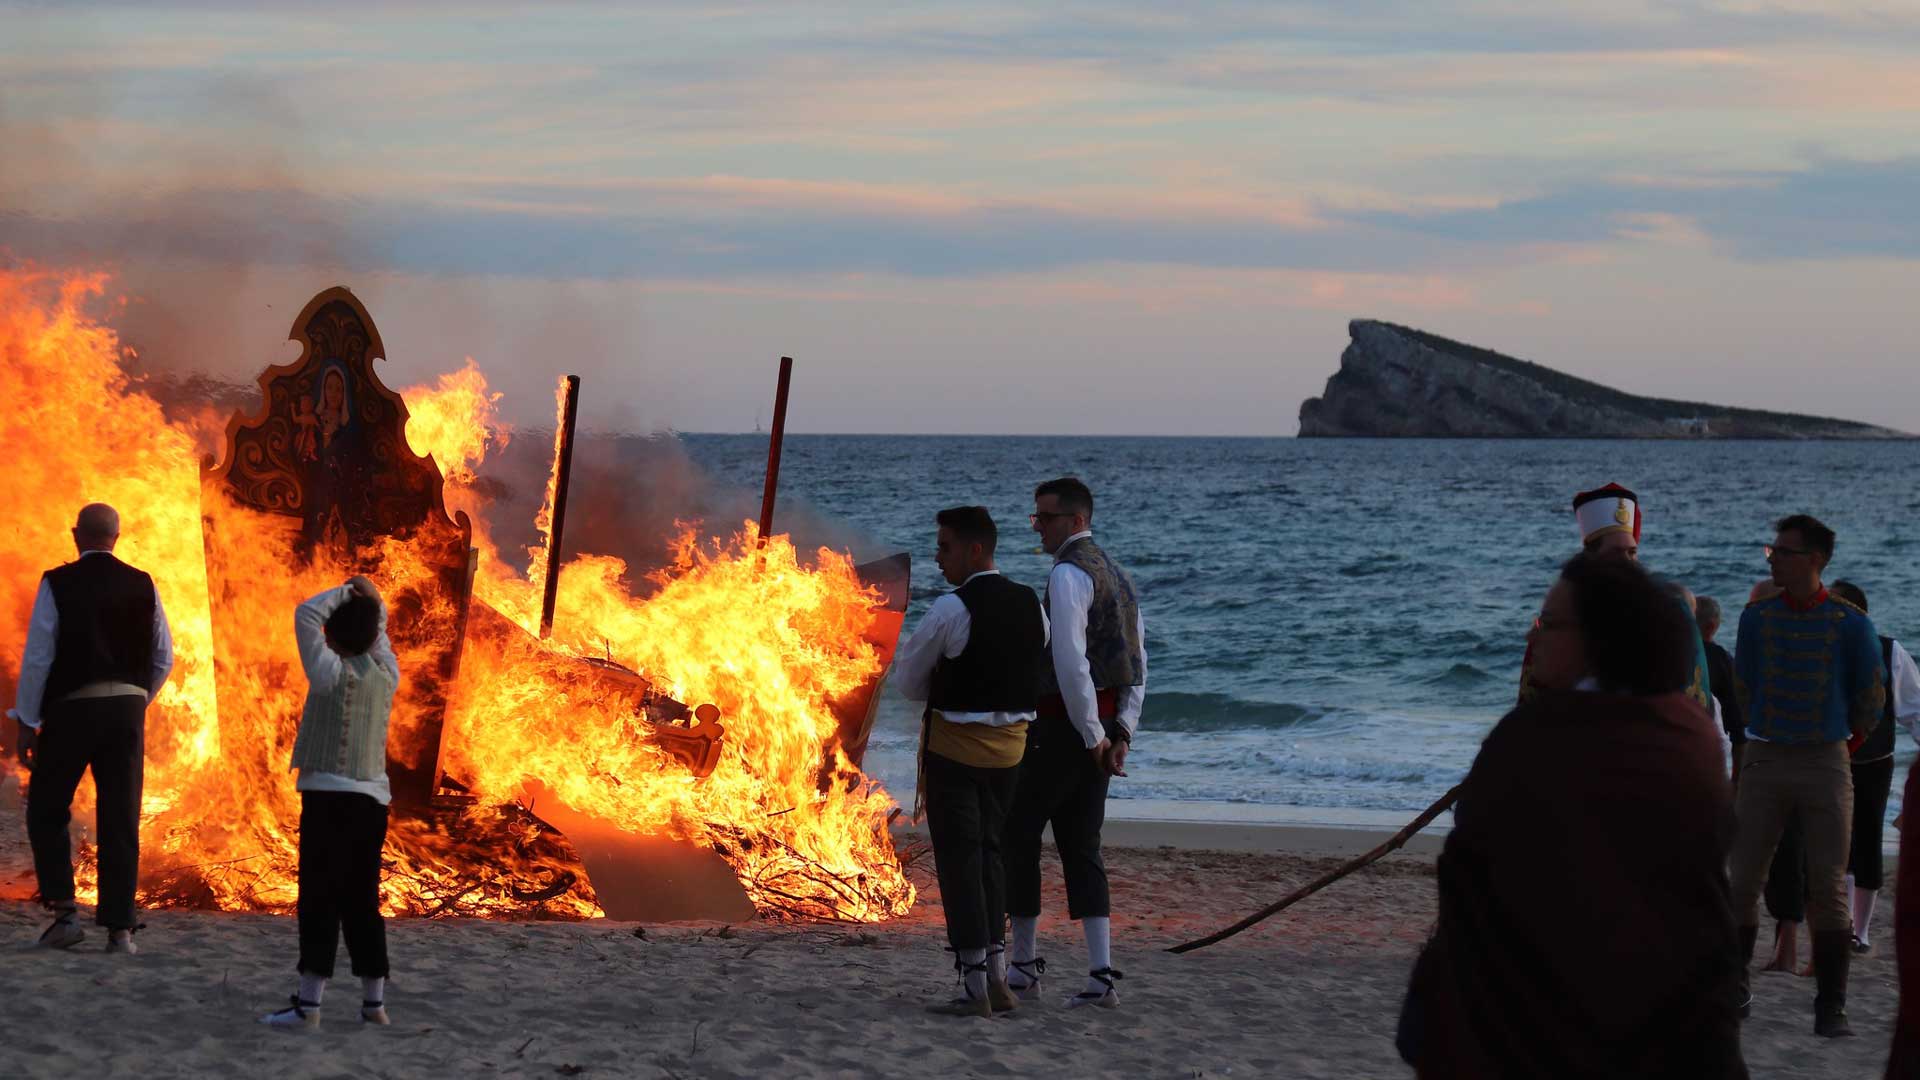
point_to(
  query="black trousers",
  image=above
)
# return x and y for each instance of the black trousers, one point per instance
(1872, 781)
(109, 736)
(341, 834)
(1787, 881)
(966, 812)
(1059, 785)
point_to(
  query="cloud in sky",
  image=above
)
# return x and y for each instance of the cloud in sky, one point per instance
(1406, 157)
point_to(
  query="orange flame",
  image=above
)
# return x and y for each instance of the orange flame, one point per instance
(772, 641)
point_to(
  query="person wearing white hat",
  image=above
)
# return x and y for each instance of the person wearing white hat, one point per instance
(1609, 521)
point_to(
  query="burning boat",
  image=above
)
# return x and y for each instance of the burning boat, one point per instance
(691, 753)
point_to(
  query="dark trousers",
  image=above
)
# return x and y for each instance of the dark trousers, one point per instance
(1059, 785)
(1787, 882)
(966, 812)
(1786, 893)
(341, 834)
(1872, 781)
(109, 736)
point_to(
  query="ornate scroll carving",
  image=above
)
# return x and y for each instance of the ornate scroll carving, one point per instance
(328, 455)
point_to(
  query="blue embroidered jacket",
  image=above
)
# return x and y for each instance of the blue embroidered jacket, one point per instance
(1802, 674)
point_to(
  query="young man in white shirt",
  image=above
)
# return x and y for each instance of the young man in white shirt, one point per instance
(1091, 694)
(341, 754)
(975, 660)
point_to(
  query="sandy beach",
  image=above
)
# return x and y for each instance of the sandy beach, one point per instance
(1312, 993)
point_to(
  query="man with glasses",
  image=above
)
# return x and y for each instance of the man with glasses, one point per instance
(1091, 693)
(1808, 673)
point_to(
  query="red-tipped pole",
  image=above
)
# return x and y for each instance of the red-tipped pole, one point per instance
(564, 466)
(773, 449)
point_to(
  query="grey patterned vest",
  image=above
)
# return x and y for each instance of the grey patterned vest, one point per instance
(1114, 655)
(344, 731)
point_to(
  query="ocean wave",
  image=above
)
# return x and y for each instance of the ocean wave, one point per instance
(1459, 676)
(1175, 711)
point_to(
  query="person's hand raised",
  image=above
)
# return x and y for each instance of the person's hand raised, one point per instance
(362, 585)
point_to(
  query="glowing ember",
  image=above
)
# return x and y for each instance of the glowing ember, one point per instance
(772, 641)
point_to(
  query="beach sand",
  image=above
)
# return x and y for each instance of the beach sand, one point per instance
(1314, 992)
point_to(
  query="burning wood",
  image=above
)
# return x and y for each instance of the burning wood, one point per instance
(499, 733)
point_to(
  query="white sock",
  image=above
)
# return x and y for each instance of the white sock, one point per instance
(997, 962)
(119, 936)
(976, 980)
(311, 987)
(373, 989)
(1863, 900)
(1026, 940)
(1099, 931)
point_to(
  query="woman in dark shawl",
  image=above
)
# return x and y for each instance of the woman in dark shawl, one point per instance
(1585, 927)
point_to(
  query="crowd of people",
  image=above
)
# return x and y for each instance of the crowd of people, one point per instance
(1600, 893)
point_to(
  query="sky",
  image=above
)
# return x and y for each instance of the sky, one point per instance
(1080, 218)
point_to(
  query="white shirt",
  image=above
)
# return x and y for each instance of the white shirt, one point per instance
(944, 632)
(43, 632)
(323, 668)
(1069, 596)
(1903, 682)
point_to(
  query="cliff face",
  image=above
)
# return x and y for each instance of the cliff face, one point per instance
(1398, 382)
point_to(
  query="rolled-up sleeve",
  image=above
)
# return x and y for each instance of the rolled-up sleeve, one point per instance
(1069, 595)
(913, 664)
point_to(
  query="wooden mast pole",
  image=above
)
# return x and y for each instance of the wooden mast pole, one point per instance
(563, 465)
(773, 449)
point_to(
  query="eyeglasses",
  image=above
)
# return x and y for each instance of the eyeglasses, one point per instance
(1771, 550)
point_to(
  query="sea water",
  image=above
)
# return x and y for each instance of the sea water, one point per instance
(1338, 623)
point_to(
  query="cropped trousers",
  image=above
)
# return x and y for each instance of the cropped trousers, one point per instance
(1060, 786)
(341, 834)
(966, 814)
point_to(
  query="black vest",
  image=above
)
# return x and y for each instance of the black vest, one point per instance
(999, 670)
(1880, 742)
(106, 625)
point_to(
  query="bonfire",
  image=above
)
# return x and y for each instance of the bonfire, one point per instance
(703, 709)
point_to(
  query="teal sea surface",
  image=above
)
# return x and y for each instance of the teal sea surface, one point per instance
(1338, 623)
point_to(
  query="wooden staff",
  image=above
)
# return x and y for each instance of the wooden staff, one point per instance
(1393, 843)
(564, 468)
(773, 449)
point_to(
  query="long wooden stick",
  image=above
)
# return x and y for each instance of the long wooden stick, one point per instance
(564, 468)
(773, 449)
(1393, 843)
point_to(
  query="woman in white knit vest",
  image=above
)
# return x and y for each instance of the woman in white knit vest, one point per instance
(341, 754)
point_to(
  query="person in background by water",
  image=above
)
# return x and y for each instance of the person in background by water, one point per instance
(98, 651)
(975, 660)
(1608, 519)
(1873, 774)
(1091, 695)
(341, 753)
(1808, 673)
(1707, 616)
(1511, 987)
(1904, 1061)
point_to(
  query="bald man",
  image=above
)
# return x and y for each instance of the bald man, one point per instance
(98, 650)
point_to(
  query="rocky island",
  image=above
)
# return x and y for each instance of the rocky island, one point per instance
(1397, 382)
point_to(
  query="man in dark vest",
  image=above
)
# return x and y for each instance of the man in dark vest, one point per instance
(1091, 693)
(98, 650)
(1872, 766)
(975, 660)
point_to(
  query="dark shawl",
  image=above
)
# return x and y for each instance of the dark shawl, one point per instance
(1585, 928)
